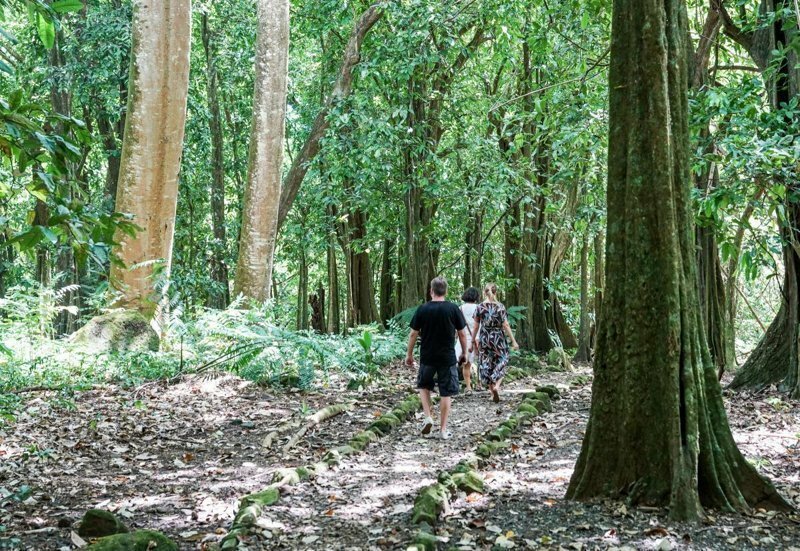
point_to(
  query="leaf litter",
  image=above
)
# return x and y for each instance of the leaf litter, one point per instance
(177, 459)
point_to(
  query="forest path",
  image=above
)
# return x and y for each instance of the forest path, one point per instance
(366, 501)
(178, 457)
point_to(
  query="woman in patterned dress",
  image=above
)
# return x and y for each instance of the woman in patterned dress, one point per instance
(491, 319)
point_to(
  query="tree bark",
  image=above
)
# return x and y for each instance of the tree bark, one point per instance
(333, 287)
(584, 353)
(219, 296)
(302, 292)
(263, 188)
(341, 89)
(657, 433)
(387, 283)
(151, 150)
(473, 254)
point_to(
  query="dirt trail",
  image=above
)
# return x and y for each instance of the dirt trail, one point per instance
(177, 458)
(366, 502)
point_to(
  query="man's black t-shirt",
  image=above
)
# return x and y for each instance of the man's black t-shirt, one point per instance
(437, 323)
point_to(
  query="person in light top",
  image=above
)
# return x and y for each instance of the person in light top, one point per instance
(470, 299)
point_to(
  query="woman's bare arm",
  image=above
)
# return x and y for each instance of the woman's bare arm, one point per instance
(507, 330)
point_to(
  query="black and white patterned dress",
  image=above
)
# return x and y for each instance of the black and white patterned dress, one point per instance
(494, 355)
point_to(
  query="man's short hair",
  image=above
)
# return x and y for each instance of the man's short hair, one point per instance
(439, 286)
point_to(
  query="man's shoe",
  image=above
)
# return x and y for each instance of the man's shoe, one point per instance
(445, 435)
(427, 425)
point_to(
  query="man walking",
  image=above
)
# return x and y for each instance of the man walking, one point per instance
(437, 322)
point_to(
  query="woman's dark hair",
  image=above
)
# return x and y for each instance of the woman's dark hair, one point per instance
(471, 295)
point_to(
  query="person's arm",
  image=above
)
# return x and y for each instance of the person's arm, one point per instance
(507, 329)
(476, 325)
(412, 340)
(462, 338)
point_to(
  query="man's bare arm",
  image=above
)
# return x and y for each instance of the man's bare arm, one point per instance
(412, 340)
(462, 338)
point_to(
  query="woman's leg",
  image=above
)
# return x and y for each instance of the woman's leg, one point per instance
(466, 369)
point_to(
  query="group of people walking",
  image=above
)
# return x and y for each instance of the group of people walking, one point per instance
(458, 337)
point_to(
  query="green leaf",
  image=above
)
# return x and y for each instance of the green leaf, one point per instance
(47, 30)
(65, 6)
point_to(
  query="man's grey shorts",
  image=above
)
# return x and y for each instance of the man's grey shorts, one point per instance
(445, 376)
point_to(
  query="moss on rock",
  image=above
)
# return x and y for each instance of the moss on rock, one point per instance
(429, 502)
(141, 540)
(253, 504)
(119, 331)
(424, 541)
(97, 523)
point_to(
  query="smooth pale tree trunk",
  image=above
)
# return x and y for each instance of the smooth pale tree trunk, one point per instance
(333, 281)
(263, 188)
(151, 150)
(220, 296)
(658, 433)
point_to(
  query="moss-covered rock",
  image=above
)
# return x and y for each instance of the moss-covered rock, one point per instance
(286, 476)
(528, 407)
(385, 424)
(252, 505)
(303, 473)
(550, 390)
(559, 359)
(141, 540)
(97, 523)
(430, 501)
(119, 331)
(500, 433)
(424, 541)
(545, 399)
(470, 482)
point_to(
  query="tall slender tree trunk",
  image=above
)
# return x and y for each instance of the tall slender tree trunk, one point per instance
(220, 295)
(333, 286)
(657, 431)
(711, 290)
(473, 251)
(387, 282)
(584, 353)
(302, 292)
(151, 150)
(66, 267)
(263, 189)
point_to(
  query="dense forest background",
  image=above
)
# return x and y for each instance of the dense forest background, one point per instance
(464, 139)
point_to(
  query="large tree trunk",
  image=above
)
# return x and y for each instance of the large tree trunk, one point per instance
(263, 189)
(365, 310)
(776, 359)
(341, 89)
(220, 295)
(657, 432)
(151, 150)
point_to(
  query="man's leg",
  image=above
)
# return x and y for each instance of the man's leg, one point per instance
(466, 368)
(444, 411)
(425, 398)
